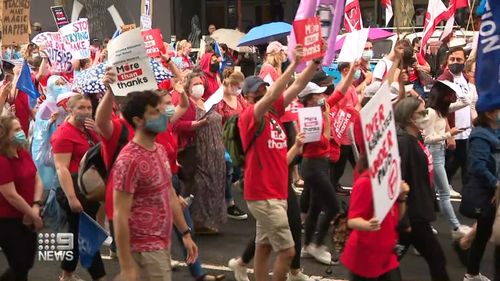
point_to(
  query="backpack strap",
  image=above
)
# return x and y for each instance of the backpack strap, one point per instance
(260, 129)
(122, 140)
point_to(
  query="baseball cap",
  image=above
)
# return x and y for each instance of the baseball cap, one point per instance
(274, 47)
(311, 88)
(320, 78)
(252, 83)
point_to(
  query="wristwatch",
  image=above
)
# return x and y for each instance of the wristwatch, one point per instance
(38, 202)
(188, 231)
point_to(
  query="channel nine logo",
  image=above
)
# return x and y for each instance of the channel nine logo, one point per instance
(55, 246)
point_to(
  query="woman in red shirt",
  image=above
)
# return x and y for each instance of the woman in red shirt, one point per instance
(70, 142)
(20, 200)
(364, 258)
(315, 169)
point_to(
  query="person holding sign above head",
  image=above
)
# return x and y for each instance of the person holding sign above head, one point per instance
(416, 170)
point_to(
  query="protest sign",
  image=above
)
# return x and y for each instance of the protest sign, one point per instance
(59, 57)
(77, 39)
(379, 135)
(59, 16)
(146, 14)
(342, 119)
(153, 40)
(127, 55)
(311, 123)
(127, 27)
(15, 22)
(308, 34)
(355, 42)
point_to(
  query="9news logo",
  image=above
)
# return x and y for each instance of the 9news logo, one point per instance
(55, 246)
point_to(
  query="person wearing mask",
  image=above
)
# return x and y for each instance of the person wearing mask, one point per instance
(275, 56)
(419, 65)
(209, 64)
(70, 142)
(456, 154)
(482, 183)
(383, 66)
(20, 201)
(145, 203)
(416, 170)
(366, 75)
(442, 100)
(232, 103)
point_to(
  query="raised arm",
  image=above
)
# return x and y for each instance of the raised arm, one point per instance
(183, 105)
(300, 83)
(104, 110)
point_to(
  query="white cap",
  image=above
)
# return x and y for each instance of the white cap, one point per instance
(311, 88)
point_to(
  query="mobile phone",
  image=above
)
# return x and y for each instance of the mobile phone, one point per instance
(321, 103)
(464, 129)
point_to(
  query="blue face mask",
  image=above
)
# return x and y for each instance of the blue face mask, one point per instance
(60, 89)
(357, 74)
(20, 138)
(367, 55)
(157, 125)
(169, 111)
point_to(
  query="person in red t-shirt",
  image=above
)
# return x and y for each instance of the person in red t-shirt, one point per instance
(266, 169)
(20, 200)
(70, 142)
(315, 170)
(369, 251)
(145, 203)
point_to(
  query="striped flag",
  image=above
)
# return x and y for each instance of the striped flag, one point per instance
(435, 14)
(449, 15)
(352, 17)
(387, 4)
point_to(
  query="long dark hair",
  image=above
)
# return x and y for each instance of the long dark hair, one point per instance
(437, 97)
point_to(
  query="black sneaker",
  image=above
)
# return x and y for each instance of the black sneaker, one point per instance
(235, 213)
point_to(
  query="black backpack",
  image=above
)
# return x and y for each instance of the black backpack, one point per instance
(92, 173)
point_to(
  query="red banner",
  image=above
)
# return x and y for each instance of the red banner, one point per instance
(153, 40)
(308, 34)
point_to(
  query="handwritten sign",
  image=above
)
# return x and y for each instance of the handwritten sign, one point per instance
(311, 123)
(308, 34)
(355, 44)
(153, 40)
(60, 16)
(146, 14)
(127, 55)
(15, 22)
(59, 57)
(77, 39)
(379, 135)
(341, 120)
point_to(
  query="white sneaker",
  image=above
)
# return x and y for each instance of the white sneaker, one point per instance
(478, 277)
(108, 241)
(304, 254)
(460, 232)
(298, 277)
(320, 254)
(73, 277)
(240, 272)
(454, 193)
(434, 231)
(174, 264)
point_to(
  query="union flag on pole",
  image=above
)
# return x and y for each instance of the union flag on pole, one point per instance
(436, 12)
(352, 17)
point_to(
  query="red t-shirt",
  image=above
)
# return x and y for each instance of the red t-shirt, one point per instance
(23, 111)
(69, 139)
(21, 171)
(269, 69)
(317, 149)
(169, 141)
(412, 72)
(227, 111)
(266, 169)
(370, 254)
(146, 175)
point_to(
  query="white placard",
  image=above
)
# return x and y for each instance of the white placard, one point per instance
(379, 135)
(77, 39)
(127, 55)
(311, 123)
(353, 46)
(214, 99)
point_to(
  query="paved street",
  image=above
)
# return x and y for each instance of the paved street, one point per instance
(215, 252)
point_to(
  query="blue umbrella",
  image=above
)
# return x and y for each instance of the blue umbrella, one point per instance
(265, 33)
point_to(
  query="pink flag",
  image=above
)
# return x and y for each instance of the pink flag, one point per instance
(387, 4)
(352, 17)
(435, 14)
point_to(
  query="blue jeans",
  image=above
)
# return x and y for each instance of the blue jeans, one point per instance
(195, 268)
(441, 183)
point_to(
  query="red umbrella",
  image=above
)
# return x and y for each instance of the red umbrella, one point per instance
(373, 34)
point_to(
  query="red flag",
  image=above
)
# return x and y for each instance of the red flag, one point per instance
(352, 17)
(387, 4)
(436, 12)
(450, 17)
(462, 4)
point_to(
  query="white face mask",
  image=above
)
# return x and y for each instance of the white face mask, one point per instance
(197, 91)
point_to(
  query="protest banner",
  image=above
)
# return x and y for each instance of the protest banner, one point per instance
(355, 42)
(308, 34)
(311, 123)
(59, 57)
(59, 16)
(379, 135)
(77, 39)
(146, 14)
(127, 54)
(153, 40)
(342, 119)
(15, 22)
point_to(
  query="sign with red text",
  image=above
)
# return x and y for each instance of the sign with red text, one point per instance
(77, 38)
(291, 111)
(311, 123)
(59, 16)
(379, 135)
(15, 18)
(153, 40)
(308, 34)
(127, 54)
(59, 56)
(341, 120)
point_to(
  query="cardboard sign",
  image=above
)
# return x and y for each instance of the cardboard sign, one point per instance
(355, 42)
(77, 39)
(59, 57)
(153, 40)
(16, 22)
(127, 27)
(59, 16)
(308, 34)
(127, 55)
(379, 135)
(311, 123)
(341, 120)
